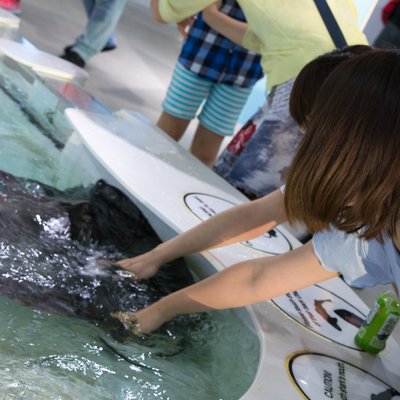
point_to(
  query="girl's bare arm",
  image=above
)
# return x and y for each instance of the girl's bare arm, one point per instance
(243, 284)
(240, 223)
(229, 27)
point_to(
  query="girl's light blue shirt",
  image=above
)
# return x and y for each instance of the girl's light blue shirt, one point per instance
(362, 263)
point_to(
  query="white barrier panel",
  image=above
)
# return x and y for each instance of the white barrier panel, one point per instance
(41, 62)
(8, 19)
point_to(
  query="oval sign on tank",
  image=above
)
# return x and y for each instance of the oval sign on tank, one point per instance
(318, 376)
(324, 313)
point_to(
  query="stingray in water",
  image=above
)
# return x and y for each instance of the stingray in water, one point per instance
(51, 242)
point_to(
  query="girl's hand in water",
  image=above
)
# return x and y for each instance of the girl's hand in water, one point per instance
(143, 266)
(144, 321)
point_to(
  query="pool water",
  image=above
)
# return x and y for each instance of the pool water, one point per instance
(45, 356)
(50, 356)
(24, 150)
(33, 129)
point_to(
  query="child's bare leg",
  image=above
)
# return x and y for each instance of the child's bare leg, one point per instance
(173, 126)
(205, 145)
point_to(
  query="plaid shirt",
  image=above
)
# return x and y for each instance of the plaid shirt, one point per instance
(210, 55)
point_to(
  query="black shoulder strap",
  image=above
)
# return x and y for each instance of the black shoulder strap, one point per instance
(330, 23)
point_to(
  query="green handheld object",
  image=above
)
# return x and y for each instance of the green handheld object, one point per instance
(379, 323)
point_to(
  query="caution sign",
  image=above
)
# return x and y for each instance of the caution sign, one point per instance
(318, 377)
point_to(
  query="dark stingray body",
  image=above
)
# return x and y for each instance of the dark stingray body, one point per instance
(54, 248)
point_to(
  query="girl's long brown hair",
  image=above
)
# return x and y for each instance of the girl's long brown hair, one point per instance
(346, 172)
(313, 75)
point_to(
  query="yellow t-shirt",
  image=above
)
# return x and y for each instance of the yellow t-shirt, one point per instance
(287, 33)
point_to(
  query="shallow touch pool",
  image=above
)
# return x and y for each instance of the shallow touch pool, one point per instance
(45, 356)
(51, 357)
(33, 129)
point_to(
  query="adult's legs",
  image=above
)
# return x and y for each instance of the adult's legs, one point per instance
(103, 19)
(89, 7)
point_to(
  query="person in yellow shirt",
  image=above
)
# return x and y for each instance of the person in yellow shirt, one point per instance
(287, 34)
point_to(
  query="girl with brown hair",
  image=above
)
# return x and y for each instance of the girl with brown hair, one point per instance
(343, 185)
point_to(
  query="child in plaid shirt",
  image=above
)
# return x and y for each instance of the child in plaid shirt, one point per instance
(213, 75)
(287, 34)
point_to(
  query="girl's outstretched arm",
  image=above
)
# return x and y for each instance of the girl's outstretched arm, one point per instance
(243, 284)
(240, 223)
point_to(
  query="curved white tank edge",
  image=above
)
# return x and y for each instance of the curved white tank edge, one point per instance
(41, 62)
(176, 192)
(8, 19)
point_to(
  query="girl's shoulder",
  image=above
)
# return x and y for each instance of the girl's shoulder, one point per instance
(361, 262)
